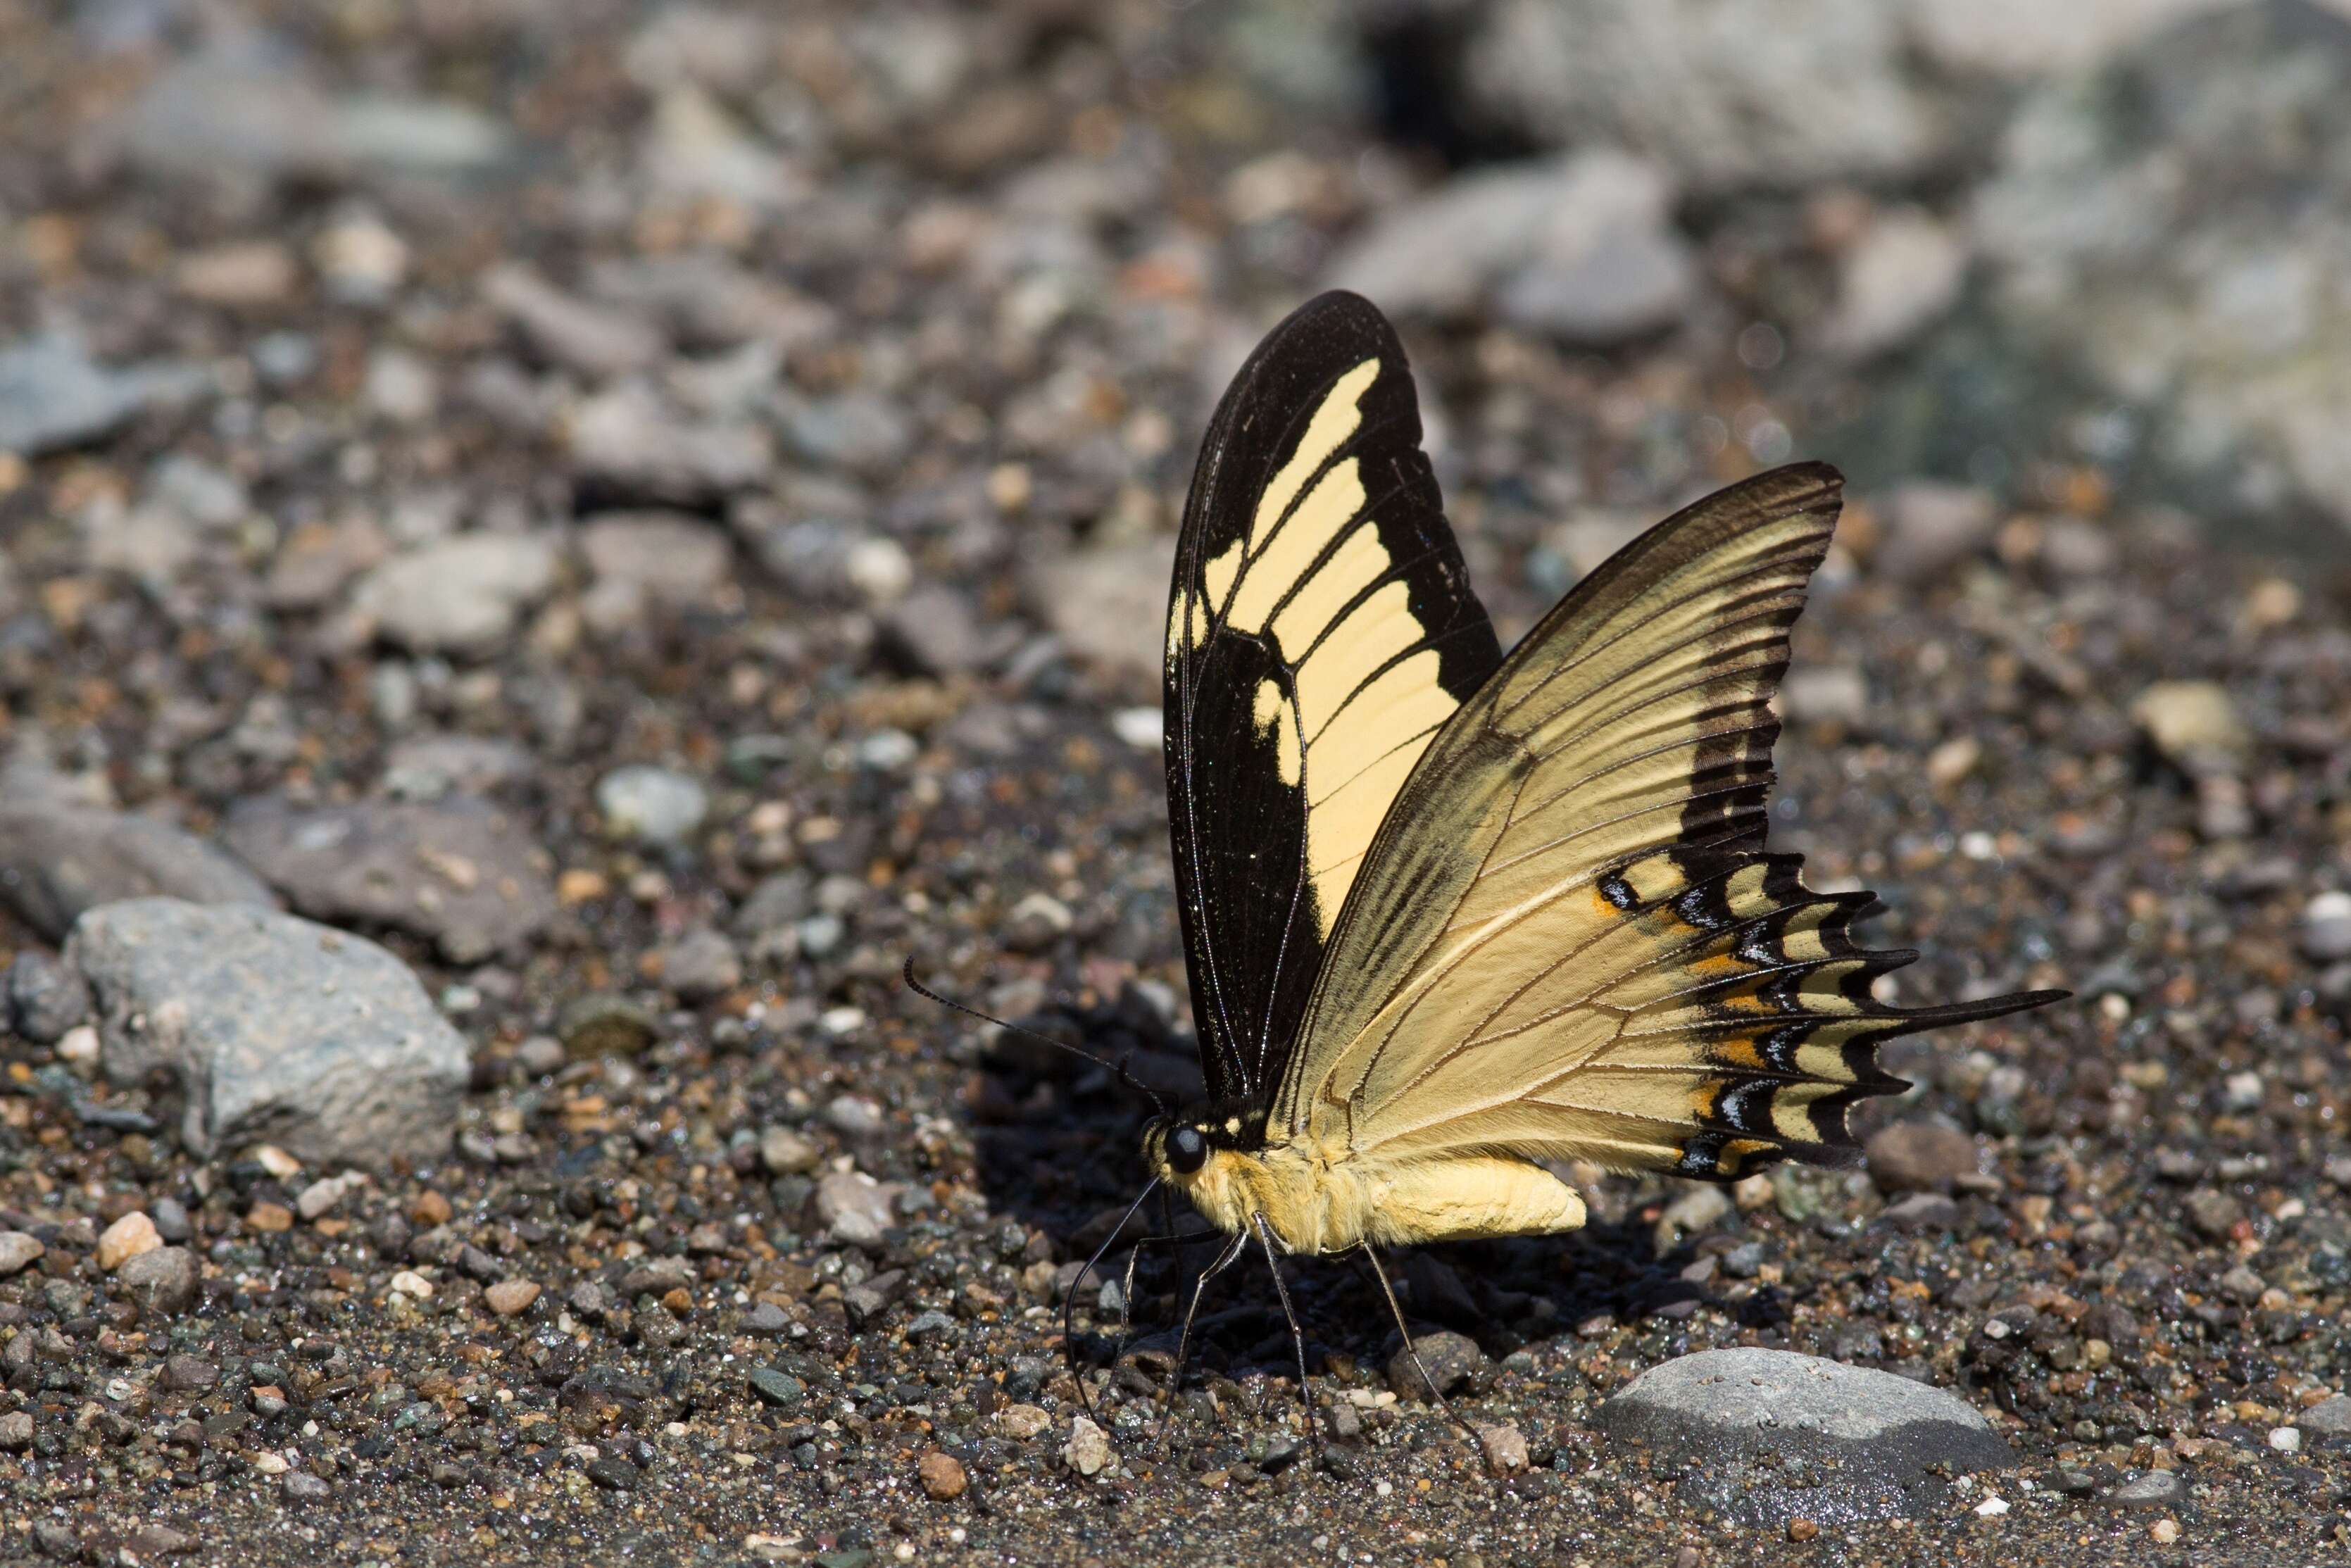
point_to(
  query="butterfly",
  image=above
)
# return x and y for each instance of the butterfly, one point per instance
(1451, 916)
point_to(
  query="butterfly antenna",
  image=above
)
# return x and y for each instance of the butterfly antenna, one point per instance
(1119, 1066)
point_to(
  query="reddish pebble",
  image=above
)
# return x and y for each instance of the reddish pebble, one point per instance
(942, 1475)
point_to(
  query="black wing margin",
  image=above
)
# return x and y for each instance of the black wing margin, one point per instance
(1321, 629)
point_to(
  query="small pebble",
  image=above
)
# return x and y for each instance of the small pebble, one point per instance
(1087, 1450)
(126, 1239)
(511, 1298)
(942, 1475)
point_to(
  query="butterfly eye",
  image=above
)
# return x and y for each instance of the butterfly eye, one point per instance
(1188, 1151)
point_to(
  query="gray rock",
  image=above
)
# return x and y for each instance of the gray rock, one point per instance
(162, 1281)
(1898, 279)
(1919, 1156)
(2325, 936)
(277, 1027)
(1775, 93)
(1104, 605)
(2331, 1416)
(1450, 1358)
(1580, 247)
(595, 339)
(694, 147)
(628, 441)
(1931, 527)
(245, 107)
(933, 632)
(668, 558)
(853, 1207)
(2162, 224)
(18, 1251)
(701, 964)
(54, 395)
(1735, 1420)
(58, 860)
(602, 1024)
(1825, 694)
(458, 870)
(461, 595)
(652, 805)
(861, 431)
(45, 997)
(785, 1151)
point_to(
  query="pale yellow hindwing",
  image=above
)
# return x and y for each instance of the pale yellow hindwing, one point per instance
(1567, 939)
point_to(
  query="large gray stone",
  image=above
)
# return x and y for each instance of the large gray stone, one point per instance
(58, 860)
(54, 395)
(461, 595)
(276, 1027)
(1771, 92)
(1580, 247)
(458, 869)
(2176, 224)
(1767, 1436)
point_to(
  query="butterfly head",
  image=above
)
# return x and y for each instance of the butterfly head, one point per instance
(1178, 1147)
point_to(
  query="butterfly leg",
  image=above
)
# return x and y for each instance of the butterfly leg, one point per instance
(1297, 1335)
(1381, 1274)
(1192, 1311)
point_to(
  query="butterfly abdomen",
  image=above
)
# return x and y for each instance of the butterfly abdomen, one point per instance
(1323, 1201)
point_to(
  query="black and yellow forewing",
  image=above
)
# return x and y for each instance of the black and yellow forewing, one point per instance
(1320, 630)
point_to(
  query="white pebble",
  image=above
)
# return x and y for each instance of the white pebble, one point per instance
(2287, 1439)
(1140, 728)
(1991, 1507)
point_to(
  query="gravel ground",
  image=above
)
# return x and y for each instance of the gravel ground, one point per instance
(651, 518)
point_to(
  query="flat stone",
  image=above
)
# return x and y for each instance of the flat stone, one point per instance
(2155, 1488)
(778, 1388)
(460, 871)
(1733, 1420)
(58, 860)
(321, 1041)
